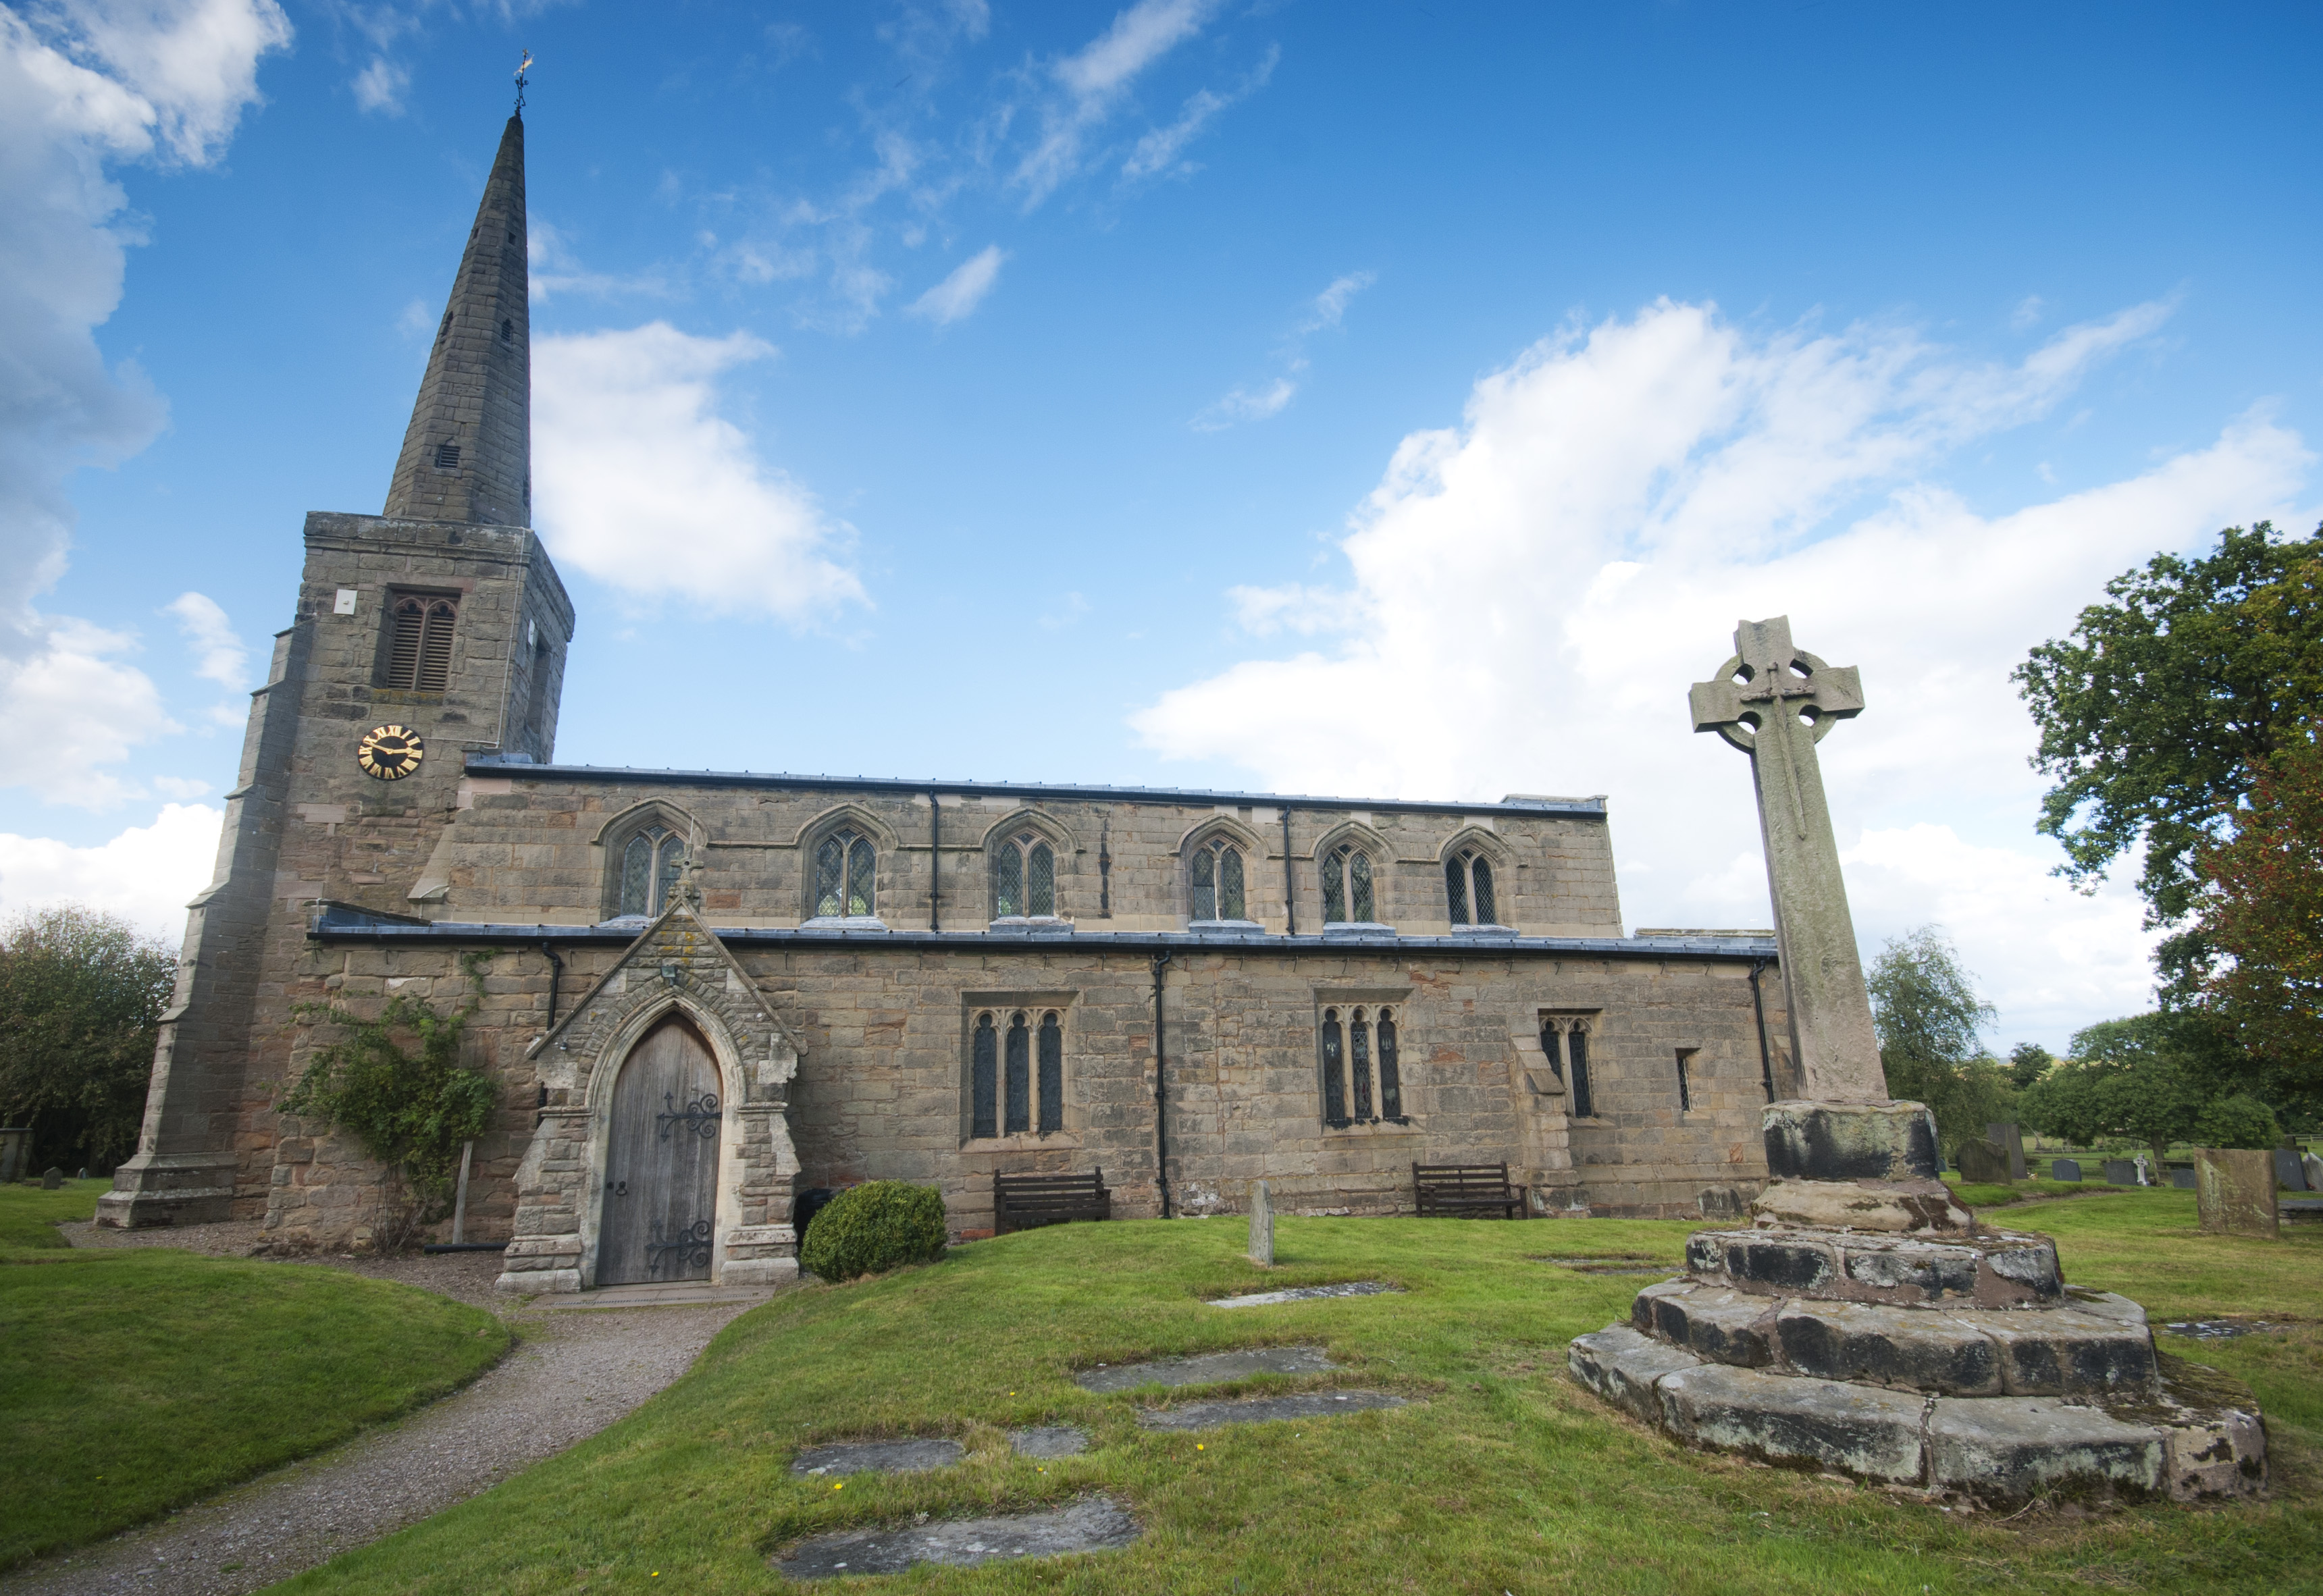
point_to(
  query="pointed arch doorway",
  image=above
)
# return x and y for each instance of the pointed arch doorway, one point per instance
(661, 1161)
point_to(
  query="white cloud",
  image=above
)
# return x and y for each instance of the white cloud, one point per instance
(1158, 151)
(1094, 79)
(206, 627)
(551, 268)
(1331, 304)
(68, 709)
(961, 292)
(644, 486)
(145, 875)
(1245, 403)
(381, 86)
(1532, 591)
(1249, 404)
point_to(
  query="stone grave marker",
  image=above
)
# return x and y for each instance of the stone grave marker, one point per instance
(2065, 1168)
(1261, 1225)
(53, 1179)
(2235, 1192)
(2314, 1167)
(1207, 1369)
(2010, 1140)
(1210, 1416)
(2120, 1171)
(1307, 1294)
(1092, 1524)
(1048, 1440)
(2287, 1170)
(2183, 1179)
(879, 1457)
(1983, 1162)
(16, 1153)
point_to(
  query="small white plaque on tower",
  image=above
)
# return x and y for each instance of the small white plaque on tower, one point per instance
(346, 602)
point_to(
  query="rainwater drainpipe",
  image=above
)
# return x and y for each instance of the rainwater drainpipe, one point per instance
(1160, 1113)
(1290, 883)
(1759, 1006)
(555, 971)
(935, 864)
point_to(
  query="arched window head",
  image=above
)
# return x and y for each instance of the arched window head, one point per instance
(1217, 892)
(1468, 889)
(845, 867)
(1347, 886)
(419, 643)
(649, 867)
(1024, 878)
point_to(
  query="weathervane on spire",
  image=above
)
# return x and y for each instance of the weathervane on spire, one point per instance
(522, 66)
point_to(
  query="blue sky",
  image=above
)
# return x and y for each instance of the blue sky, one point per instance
(1394, 398)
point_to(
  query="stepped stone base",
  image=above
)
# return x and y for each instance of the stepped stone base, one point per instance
(1995, 1269)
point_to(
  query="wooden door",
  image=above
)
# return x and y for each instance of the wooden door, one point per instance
(661, 1162)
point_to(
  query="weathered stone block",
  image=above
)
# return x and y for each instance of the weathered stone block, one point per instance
(1812, 1141)
(1910, 1348)
(1852, 1429)
(1624, 1367)
(1723, 1326)
(2012, 1448)
(2064, 1352)
(2234, 1192)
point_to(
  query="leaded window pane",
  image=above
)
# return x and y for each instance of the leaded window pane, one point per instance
(1017, 1101)
(1455, 890)
(1391, 1075)
(1487, 912)
(1008, 892)
(1359, 885)
(1052, 1074)
(984, 1080)
(1335, 887)
(1552, 1042)
(637, 874)
(1230, 905)
(1576, 1042)
(1040, 888)
(672, 855)
(1205, 885)
(1335, 1086)
(831, 877)
(860, 866)
(1360, 1033)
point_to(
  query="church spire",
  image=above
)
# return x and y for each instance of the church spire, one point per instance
(468, 455)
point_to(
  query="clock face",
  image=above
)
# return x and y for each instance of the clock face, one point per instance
(390, 753)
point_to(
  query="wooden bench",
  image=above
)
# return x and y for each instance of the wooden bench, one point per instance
(1466, 1189)
(1022, 1202)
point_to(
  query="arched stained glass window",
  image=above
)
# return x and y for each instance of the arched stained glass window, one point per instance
(1390, 1071)
(1468, 889)
(1335, 1078)
(1217, 887)
(1024, 878)
(1347, 886)
(649, 867)
(1052, 1074)
(983, 1080)
(1019, 1089)
(844, 867)
(1359, 1064)
(1577, 1049)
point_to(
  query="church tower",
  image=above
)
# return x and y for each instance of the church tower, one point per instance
(433, 631)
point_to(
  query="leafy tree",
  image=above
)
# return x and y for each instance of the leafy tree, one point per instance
(2239, 1121)
(2156, 710)
(81, 1000)
(2262, 918)
(2028, 1061)
(1930, 1019)
(2142, 1078)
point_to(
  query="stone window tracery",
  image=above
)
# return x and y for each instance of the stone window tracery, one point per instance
(649, 867)
(1362, 1075)
(846, 867)
(1016, 1073)
(1565, 1039)
(1024, 878)
(1216, 881)
(1468, 888)
(1347, 897)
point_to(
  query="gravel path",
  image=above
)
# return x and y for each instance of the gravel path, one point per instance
(572, 1375)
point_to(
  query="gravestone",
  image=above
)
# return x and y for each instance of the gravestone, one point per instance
(2144, 1175)
(2065, 1168)
(16, 1153)
(2005, 1133)
(2235, 1192)
(2287, 1170)
(2314, 1167)
(1261, 1225)
(2183, 1179)
(2120, 1171)
(1983, 1162)
(53, 1179)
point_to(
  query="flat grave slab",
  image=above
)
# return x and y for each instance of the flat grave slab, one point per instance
(879, 1457)
(1092, 1524)
(1307, 1294)
(1618, 1263)
(1211, 1415)
(1053, 1440)
(1209, 1368)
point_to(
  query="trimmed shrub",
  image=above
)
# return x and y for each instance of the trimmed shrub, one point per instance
(878, 1226)
(2239, 1121)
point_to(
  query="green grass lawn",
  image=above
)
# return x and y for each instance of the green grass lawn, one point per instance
(1507, 1477)
(132, 1383)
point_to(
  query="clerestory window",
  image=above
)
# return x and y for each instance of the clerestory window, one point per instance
(649, 867)
(1362, 1071)
(1024, 878)
(846, 869)
(419, 643)
(1347, 887)
(1468, 889)
(1217, 883)
(1016, 1073)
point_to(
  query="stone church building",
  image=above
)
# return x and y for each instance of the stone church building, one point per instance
(703, 993)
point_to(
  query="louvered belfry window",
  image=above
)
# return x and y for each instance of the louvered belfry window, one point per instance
(419, 647)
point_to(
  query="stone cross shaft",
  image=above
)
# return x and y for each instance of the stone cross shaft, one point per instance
(1774, 701)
